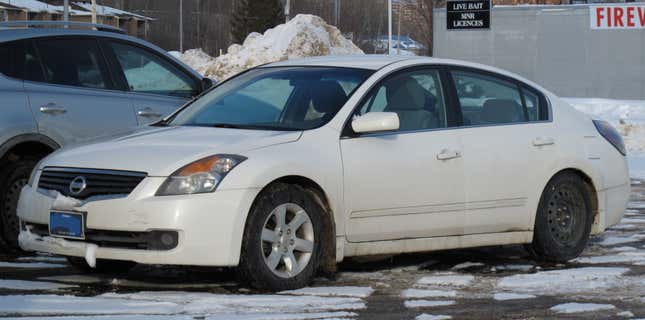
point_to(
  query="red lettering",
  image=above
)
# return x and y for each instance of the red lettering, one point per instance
(641, 15)
(630, 17)
(609, 17)
(599, 16)
(618, 17)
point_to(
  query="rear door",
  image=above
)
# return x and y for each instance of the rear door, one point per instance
(72, 93)
(506, 139)
(157, 86)
(408, 183)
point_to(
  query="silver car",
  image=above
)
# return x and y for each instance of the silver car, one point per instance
(62, 86)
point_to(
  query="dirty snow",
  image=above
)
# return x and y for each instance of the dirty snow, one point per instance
(610, 241)
(564, 281)
(31, 265)
(169, 303)
(623, 257)
(424, 293)
(452, 280)
(503, 296)
(426, 316)
(356, 292)
(303, 36)
(574, 307)
(466, 265)
(31, 285)
(428, 303)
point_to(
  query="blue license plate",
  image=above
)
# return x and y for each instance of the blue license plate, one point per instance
(67, 224)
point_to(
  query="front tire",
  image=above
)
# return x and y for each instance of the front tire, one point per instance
(282, 243)
(563, 221)
(14, 177)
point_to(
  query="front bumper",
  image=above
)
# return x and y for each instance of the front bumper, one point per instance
(209, 226)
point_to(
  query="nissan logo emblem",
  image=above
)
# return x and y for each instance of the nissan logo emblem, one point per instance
(77, 185)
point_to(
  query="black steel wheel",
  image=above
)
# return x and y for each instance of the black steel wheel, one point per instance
(564, 219)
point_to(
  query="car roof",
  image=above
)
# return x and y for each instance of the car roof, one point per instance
(376, 62)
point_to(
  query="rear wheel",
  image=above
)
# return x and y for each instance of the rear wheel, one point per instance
(282, 244)
(14, 177)
(564, 219)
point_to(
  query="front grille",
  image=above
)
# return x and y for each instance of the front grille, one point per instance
(96, 182)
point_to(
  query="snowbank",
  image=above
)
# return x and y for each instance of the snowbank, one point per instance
(628, 116)
(303, 36)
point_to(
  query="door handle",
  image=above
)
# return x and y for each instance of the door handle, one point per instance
(446, 154)
(148, 113)
(52, 108)
(540, 141)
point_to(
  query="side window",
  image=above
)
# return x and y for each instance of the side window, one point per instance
(18, 60)
(81, 67)
(146, 72)
(415, 96)
(487, 100)
(535, 105)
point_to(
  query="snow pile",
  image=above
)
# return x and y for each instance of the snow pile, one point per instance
(195, 58)
(303, 36)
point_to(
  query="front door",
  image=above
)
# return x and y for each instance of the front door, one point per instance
(408, 183)
(157, 87)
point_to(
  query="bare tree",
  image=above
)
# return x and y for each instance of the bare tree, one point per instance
(423, 20)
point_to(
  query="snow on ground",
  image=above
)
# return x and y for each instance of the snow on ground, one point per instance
(450, 280)
(303, 36)
(503, 296)
(43, 259)
(428, 303)
(31, 285)
(426, 316)
(564, 281)
(574, 307)
(425, 293)
(171, 303)
(623, 257)
(610, 241)
(356, 292)
(628, 116)
(31, 265)
(467, 265)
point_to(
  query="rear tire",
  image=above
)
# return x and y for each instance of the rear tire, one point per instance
(102, 266)
(283, 255)
(563, 221)
(14, 177)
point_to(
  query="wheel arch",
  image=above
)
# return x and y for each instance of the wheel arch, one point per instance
(25, 145)
(328, 263)
(591, 189)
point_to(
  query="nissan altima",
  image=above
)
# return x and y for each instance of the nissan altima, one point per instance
(288, 168)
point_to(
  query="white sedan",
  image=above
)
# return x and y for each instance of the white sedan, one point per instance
(288, 168)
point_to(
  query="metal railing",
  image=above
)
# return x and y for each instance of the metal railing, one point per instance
(62, 24)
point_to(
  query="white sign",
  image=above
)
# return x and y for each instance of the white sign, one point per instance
(617, 16)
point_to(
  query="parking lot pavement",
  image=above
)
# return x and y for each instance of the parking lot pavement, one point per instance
(607, 281)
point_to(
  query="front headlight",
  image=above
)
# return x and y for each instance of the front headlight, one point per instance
(200, 176)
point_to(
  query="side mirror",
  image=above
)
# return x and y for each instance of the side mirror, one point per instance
(207, 83)
(376, 122)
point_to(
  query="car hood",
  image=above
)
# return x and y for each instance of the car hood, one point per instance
(161, 151)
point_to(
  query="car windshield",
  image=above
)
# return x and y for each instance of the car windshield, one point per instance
(275, 98)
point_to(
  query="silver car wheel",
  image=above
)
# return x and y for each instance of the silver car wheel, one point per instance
(287, 240)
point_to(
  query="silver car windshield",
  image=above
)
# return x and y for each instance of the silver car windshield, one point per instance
(278, 98)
